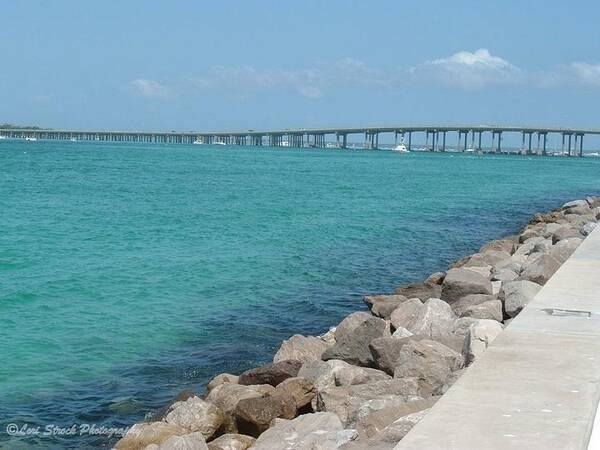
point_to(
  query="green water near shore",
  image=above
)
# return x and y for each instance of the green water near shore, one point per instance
(128, 272)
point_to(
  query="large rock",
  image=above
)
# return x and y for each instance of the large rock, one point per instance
(301, 348)
(461, 328)
(479, 337)
(429, 362)
(487, 310)
(325, 374)
(254, 415)
(349, 323)
(435, 318)
(488, 258)
(141, 435)
(386, 350)
(192, 441)
(299, 390)
(422, 291)
(317, 431)
(549, 229)
(461, 282)
(353, 347)
(564, 249)
(504, 275)
(346, 401)
(587, 228)
(196, 415)
(383, 305)
(593, 201)
(540, 269)
(227, 395)
(231, 442)
(220, 379)
(575, 204)
(565, 233)
(435, 278)
(517, 294)
(272, 374)
(405, 315)
(500, 245)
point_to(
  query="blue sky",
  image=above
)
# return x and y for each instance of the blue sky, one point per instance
(195, 65)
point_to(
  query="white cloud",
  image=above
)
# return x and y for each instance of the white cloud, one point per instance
(149, 88)
(470, 70)
(586, 73)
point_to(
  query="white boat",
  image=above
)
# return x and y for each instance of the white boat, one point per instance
(198, 142)
(331, 145)
(73, 140)
(284, 144)
(30, 138)
(2, 137)
(401, 147)
(470, 150)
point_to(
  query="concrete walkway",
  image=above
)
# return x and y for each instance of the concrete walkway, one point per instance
(538, 385)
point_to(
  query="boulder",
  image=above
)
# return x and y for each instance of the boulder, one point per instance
(479, 337)
(429, 362)
(434, 318)
(500, 245)
(181, 397)
(405, 315)
(300, 390)
(272, 374)
(254, 415)
(587, 228)
(575, 204)
(514, 264)
(593, 201)
(141, 435)
(401, 332)
(349, 323)
(524, 250)
(435, 278)
(461, 282)
(325, 374)
(488, 258)
(504, 275)
(549, 229)
(301, 348)
(540, 269)
(383, 305)
(516, 294)
(227, 395)
(231, 442)
(196, 415)
(386, 350)
(461, 327)
(578, 210)
(220, 379)
(565, 233)
(422, 291)
(542, 246)
(346, 401)
(353, 347)
(321, 430)
(530, 231)
(487, 310)
(564, 249)
(192, 441)
(484, 271)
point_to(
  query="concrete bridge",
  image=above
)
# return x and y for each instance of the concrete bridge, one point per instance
(468, 137)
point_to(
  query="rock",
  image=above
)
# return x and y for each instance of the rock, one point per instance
(540, 269)
(393, 433)
(192, 441)
(593, 202)
(141, 435)
(401, 332)
(487, 310)
(196, 415)
(484, 271)
(542, 246)
(227, 395)
(530, 231)
(514, 264)
(220, 379)
(254, 415)
(301, 348)
(272, 374)
(374, 423)
(549, 229)
(383, 305)
(564, 249)
(316, 431)
(488, 258)
(386, 350)
(349, 323)
(434, 318)
(461, 282)
(575, 204)
(501, 245)
(578, 210)
(517, 294)
(181, 397)
(504, 275)
(300, 390)
(587, 228)
(346, 401)
(325, 374)
(435, 278)
(231, 442)
(353, 347)
(429, 362)
(329, 336)
(496, 286)
(524, 249)
(479, 337)
(405, 315)
(422, 291)
(453, 378)
(565, 233)
(461, 326)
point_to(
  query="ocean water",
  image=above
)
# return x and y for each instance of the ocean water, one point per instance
(129, 272)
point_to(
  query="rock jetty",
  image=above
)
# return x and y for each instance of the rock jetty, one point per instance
(366, 382)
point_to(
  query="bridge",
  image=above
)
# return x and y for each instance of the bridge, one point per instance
(469, 137)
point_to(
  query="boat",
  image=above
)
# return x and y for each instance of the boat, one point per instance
(284, 144)
(30, 138)
(198, 141)
(401, 148)
(470, 150)
(2, 137)
(331, 145)
(73, 140)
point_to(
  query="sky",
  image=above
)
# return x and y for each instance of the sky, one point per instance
(236, 65)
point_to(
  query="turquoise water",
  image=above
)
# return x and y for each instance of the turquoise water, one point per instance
(129, 272)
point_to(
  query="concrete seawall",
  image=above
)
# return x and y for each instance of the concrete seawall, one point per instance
(538, 385)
